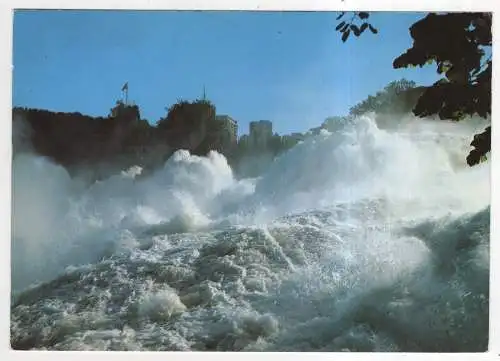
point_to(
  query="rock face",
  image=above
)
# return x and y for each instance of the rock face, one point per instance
(100, 146)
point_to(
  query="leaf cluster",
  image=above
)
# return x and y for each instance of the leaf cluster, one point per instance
(456, 43)
(356, 25)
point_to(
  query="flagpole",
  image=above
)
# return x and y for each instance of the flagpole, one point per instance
(125, 92)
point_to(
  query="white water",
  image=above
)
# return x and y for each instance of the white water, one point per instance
(362, 240)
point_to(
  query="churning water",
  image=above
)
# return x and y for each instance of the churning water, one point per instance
(362, 239)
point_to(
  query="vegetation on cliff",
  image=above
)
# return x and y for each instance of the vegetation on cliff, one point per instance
(118, 141)
(397, 97)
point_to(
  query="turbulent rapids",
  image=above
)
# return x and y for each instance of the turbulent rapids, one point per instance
(358, 239)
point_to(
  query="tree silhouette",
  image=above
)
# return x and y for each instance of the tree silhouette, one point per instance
(459, 44)
(346, 27)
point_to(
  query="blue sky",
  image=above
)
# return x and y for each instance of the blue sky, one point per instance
(288, 67)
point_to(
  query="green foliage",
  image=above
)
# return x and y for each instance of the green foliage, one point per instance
(392, 98)
(185, 114)
(122, 110)
(458, 44)
(482, 145)
(355, 25)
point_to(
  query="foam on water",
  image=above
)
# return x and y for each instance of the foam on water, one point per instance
(362, 239)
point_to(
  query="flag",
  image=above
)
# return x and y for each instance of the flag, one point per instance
(125, 86)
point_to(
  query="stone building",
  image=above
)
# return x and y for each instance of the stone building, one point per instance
(227, 129)
(261, 133)
(220, 135)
